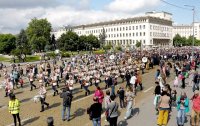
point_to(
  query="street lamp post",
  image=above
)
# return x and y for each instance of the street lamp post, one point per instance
(193, 9)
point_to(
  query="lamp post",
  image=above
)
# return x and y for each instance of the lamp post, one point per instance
(193, 9)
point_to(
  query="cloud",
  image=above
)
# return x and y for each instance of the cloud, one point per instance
(27, 3)
(131, 6)
(80, 4)
(69, 12)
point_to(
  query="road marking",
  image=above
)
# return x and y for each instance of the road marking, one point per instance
(22, 121)
(148, 89)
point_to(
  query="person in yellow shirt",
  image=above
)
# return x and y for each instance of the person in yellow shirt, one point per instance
(13, 107)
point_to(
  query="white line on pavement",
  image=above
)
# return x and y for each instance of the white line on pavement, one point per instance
(148, 89)
(22, 121)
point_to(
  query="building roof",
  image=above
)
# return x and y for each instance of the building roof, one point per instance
(151, 20)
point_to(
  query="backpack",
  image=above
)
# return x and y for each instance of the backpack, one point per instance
(68, 100)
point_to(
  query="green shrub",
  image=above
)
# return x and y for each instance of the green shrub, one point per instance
(107, 47)
(119, 48)
(51, 54)
(99, 52)
(65, 54)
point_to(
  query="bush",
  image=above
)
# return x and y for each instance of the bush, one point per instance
(99, 52)
(65, 54)
(119, 48)
(107, 47)
(51, 54)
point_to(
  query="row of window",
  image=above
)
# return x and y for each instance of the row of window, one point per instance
(126, 34)
(127, 28)
(123, 28)
(158, 34)
(124, 42)
(162, 28)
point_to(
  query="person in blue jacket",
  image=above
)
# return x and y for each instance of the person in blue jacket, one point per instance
(182, 108)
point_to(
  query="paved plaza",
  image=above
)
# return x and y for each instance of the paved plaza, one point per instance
(30, 111)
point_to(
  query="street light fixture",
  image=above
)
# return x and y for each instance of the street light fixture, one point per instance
(193, 9)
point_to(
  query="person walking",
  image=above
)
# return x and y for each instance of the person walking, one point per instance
(195, 109)
(112, 109)
(31, 80)
(121, 94)
(157, 93)
(14, 107)
(95, 112)
(139, 80)
(42, 93)
(54, 84)
(130, 100)
(164, 109)
(182, 108)
(66, 95)
(133, 82)
(99, 95)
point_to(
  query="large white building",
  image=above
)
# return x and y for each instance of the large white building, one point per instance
(152, 29)
(187, 30)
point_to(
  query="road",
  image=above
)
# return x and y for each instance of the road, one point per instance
(31, 116)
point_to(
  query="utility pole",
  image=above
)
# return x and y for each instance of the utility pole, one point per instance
(193, 9)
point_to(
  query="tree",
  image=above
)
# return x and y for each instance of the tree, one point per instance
(7, 43)
(102, 38)
(82, 42)
(93, 41)
(22, 44)
(38, 32)
(178, 40)
(68, 41)
(22, 39)
(53, 42)
(138, 44)
(107, 47)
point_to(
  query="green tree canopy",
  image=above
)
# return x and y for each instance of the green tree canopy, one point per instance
(102, 38)
(178, 40)
(38, 32)
(22, 42)
(7, 43)
(138, 44)
(93, 41)
(183, 41)
(68, 41)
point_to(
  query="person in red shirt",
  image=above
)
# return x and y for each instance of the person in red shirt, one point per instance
(195, 109)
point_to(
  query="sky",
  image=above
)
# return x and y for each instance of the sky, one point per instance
(16, 14)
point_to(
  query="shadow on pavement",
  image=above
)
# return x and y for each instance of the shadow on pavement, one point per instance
(135, 111)
(122, 123)
(83, 95)
(25, 100)
(79, 112)
(18, 92)
(54, 105)
(28, 122)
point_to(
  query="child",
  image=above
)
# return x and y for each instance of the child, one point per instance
(21, 82)
(176, 82)
(121, 93)
(173, 98)
(107, 101)
(157, 93)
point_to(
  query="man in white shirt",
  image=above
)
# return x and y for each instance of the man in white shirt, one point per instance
(133, 81)
(42, 93)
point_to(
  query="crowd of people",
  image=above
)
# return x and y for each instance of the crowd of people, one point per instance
(95, 70)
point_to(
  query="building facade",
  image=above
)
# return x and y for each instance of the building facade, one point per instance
(152, 29)
(187, 30)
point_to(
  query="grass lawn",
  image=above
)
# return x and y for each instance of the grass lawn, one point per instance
(32, 58)
(4, 59)
(28, 59)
